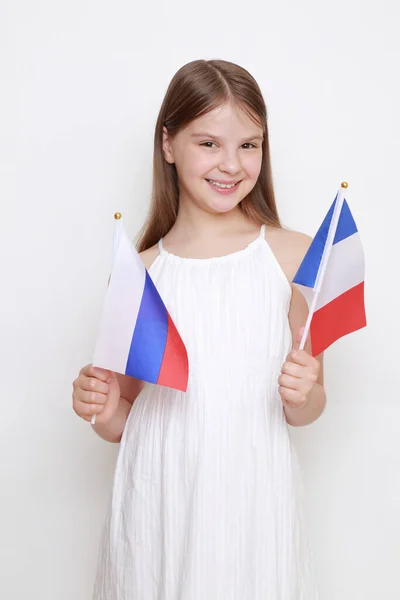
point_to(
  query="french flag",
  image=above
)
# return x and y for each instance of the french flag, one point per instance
(137, 336)
(331, 278)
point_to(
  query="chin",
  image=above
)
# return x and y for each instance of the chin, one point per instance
(226, 203)
(222, 207)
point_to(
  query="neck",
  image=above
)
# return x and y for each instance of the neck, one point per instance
(194, 222)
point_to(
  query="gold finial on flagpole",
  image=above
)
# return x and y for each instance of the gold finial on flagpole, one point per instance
(117, 216)
(344, 184)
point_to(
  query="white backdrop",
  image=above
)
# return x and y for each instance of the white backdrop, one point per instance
(81, 85)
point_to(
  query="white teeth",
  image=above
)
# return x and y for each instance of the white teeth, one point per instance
(222, 185)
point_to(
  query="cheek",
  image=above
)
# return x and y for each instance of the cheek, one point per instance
(198, 163)
(252, 165)
(192, 163)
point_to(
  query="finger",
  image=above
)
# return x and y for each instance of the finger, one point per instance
(293, 369)
(91, 384)
(291, 395)
(287, 381)
(86, 418)
(299, 357)
(97, 372)
(93, 398)
(90, 409)
(285, 400)
(291, 405)
(100, 418)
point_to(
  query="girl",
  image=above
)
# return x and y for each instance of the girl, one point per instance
(205, 503)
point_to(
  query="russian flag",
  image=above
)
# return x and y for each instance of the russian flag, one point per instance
(331, 278)
(137, 336)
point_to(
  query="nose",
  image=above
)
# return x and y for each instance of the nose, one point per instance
(230, 162)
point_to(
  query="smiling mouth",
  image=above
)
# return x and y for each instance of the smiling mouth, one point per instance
(223, 186)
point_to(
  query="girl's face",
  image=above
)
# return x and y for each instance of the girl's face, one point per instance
(217, 157)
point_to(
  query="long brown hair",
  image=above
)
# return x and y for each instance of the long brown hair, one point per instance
(197, 88)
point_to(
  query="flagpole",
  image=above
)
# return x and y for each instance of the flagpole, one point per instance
(324, 261)
(117, 237)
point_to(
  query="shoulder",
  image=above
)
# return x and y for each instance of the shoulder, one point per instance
(148, 256)
(289, 248)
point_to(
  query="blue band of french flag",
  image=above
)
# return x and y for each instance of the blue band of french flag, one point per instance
(338, 308)
(137, 335)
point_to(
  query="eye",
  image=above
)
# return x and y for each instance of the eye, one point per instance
(247, 145)
(204, 144)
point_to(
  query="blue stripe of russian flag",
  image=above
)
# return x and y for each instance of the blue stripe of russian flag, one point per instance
(149, 337)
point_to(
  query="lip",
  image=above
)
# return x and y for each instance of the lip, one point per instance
(224, 191)
(224, 181)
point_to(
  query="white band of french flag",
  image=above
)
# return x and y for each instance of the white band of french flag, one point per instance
(331, 278)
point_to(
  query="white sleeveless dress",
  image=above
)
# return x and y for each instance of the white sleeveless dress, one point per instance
(206, 502)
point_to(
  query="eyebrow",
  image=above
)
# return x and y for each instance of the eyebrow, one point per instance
(216, 137)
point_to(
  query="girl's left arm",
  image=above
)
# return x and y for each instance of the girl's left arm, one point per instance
(301, 383)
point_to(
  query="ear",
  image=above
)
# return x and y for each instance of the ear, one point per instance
(167, 147)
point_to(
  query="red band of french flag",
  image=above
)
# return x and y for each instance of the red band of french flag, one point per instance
(331, 278)
(137, 336)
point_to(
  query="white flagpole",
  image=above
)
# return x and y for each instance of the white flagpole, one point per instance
(117, 237)
(324, 261)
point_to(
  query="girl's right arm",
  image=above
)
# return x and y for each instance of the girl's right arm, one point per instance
(108, 395)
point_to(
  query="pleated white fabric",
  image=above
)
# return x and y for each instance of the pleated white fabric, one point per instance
(207, 502)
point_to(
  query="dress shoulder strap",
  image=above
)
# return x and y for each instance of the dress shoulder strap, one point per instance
(262, 231)
(160, 245)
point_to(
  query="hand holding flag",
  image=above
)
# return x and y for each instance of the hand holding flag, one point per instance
(137, 336)
(298, 376)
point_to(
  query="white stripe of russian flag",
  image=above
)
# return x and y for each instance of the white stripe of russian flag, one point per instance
(121, 308)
